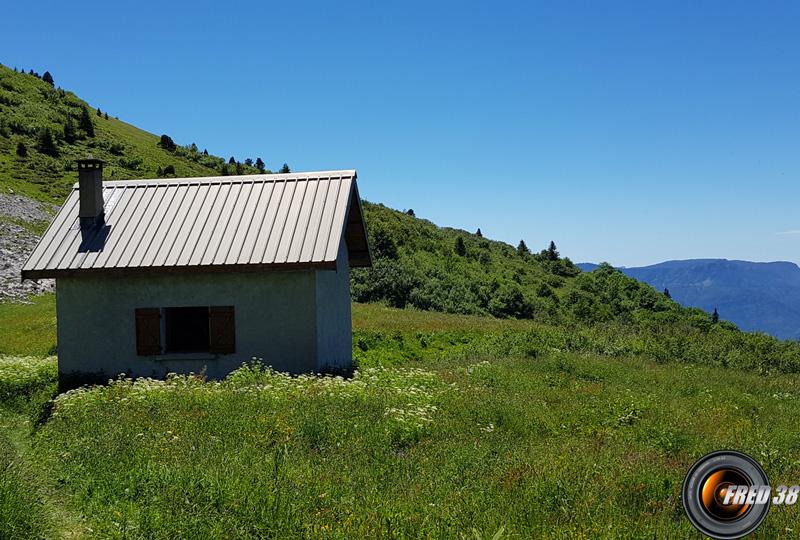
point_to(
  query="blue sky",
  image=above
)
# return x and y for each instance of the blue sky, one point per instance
(632, 132)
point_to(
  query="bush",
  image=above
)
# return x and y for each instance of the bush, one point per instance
(167, 143)
(509, 301)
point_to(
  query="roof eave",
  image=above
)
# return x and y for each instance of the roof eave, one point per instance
(167, 270)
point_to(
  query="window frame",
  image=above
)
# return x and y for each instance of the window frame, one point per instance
(221, 322)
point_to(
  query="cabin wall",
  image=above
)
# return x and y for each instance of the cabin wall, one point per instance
(334, 318)
(276, 317)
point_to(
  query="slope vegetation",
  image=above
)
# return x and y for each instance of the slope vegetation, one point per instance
(44, 129)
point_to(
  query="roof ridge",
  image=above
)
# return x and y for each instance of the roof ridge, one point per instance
(238, 178)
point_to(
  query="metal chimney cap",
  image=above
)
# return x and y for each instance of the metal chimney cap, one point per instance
(90, 160)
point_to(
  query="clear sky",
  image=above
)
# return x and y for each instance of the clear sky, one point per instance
(631, 132)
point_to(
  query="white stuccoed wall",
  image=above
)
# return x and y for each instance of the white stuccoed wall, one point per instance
(295, 321)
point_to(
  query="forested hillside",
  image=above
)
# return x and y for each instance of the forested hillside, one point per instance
(420, 265)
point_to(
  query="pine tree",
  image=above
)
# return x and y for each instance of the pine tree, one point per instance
(715, 316)
(70, 135)
(205, 151)
(22, 150)
(98, 112)
(478, 233)
(666, 293)
(85, 123)
(551, 254)
(260, 165)
(460, 248)
(285, 169)
(105, 115)
(248, 162)
(522, 248)
(232, 161)
(47, 143)
(48, 78)
(411, 213)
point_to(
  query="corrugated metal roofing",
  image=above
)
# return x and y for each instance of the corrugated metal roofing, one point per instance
(228, 223)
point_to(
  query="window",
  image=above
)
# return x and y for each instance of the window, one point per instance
(186, 329)
(190, 329)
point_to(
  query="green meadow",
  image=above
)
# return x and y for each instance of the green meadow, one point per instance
(450, 428)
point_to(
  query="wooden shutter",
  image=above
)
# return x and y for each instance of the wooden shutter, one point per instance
(148, 331)
(222, 329)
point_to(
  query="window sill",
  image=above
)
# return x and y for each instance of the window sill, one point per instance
(198, 357)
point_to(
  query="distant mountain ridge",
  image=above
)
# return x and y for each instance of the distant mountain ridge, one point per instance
(756, 296)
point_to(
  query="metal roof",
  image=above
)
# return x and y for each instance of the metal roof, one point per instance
(269, 221)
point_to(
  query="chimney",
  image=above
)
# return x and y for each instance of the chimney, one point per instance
(90, 190)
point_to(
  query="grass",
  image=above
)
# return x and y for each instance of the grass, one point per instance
(457, 442)
(28, 329)
(565, 446)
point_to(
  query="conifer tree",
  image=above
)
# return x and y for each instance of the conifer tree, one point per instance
(715, 316)
(551, 254)
(478, 233)
(522, 248)
(411, 213)
(47, 143)
(105, 115)
(70, 135)
(232, 161)
(260, 164)
(205, 151)
(666, 293)
(85, 123)
(48, 78)
(285, 169)
(460, 248)
(98, 112)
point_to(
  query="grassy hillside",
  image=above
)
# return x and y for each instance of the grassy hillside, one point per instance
(30, 108)
(422, 266)
(455, 440)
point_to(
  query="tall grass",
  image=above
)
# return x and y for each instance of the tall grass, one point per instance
(562, 445)
(22, 514)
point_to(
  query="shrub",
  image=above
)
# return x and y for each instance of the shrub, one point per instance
(167, 143)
